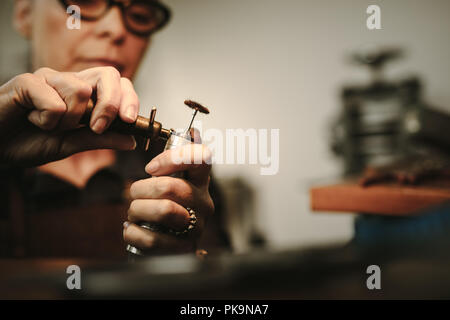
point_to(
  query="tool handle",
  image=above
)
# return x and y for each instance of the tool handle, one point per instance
(145, 127)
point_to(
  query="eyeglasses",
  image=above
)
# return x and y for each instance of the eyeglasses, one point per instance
(140, 17)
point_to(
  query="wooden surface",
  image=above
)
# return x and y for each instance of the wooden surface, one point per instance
(387, 199)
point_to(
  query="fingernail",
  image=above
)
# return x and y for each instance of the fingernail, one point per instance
(126, 224)
(152, 166)
(100, 125)
(131, 113)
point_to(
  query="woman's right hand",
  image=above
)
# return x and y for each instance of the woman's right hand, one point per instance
(40, 114)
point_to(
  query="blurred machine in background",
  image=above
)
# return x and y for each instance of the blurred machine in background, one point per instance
(385, 120)
(398, 147)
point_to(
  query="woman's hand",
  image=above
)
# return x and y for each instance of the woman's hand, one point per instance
(40, 114)
(163, 200)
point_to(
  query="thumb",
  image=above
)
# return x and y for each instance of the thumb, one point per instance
(84, 139)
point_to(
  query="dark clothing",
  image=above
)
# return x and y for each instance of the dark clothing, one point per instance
(48, 217)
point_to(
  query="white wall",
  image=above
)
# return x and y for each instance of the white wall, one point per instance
(280, 64)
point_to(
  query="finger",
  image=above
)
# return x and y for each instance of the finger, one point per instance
(84, 139)
(106, 82)
(34, 93)
(155, 242)
(73, 91)
(129, 105)
(195, 159)
(178, 190)
(159, 211)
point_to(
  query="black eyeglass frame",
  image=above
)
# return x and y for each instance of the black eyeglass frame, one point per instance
(123, 7)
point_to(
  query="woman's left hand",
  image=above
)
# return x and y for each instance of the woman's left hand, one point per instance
(163, 200)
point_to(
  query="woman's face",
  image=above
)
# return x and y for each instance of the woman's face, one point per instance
(104, 42)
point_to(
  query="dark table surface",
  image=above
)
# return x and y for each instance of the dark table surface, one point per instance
(420, 270)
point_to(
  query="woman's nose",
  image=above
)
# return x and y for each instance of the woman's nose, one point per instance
(111, 25)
